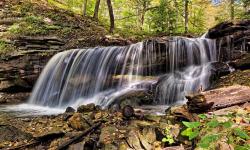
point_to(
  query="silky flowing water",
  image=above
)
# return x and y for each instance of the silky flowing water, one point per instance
(99, 75)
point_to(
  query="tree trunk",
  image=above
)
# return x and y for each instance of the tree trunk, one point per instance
(186, 16)
(84, 12)
(232, 10)
(97, 4)
(142, 16)
(111, 15)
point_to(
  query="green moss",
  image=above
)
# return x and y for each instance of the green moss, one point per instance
(32, 25)
(5, 48)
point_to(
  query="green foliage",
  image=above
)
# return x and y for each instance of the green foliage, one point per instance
(242, 134)
(169, 139)
(168, 136)
(227, 124)
(149, 17)
(202, 116)
(244, 147)
(207, 132)
(5, 48)
(190, 133)
(192, 130)
(213, 123)
(207, 140)
(2, 45)
(191, 124)
(32, 25)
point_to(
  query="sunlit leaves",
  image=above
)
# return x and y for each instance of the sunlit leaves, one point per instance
(207, 140)
(202, 116)
(191, 124)
(192, 130)
(190, 133)
(242, 134)
(227, 124)
(213, 123)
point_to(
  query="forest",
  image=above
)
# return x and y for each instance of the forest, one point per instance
(125, 74)
(154, 17)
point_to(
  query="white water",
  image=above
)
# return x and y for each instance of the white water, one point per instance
(99, 75)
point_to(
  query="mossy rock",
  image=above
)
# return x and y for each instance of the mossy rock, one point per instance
(11, 133)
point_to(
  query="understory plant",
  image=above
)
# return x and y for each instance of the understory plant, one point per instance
(208, 133)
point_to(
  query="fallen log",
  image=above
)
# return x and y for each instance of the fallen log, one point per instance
(78, 137)
(228, 96)
(39, 139)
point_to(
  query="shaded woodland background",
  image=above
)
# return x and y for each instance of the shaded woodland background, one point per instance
(149, 17)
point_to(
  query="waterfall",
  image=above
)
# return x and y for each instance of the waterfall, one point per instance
(179, 65)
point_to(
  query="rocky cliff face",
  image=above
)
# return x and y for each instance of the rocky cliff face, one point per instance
(19, 73)
(233, 39)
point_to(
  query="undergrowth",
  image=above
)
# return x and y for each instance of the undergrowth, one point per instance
(208, 133)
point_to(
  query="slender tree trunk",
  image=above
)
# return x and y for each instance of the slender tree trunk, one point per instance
(186, 16)
(97, 4)
(84, 12)
(177, 13)
(232, 10)
(111, 16)
(142, 16)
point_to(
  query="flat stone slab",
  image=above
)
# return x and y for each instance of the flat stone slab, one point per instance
(228, 96)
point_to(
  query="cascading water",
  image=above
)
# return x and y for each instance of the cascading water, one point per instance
(99, 74)
(196, 54)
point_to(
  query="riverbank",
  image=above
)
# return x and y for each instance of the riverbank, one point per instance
(181, 127)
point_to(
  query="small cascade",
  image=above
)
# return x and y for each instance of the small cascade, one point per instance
(97, 75)
(194, 77)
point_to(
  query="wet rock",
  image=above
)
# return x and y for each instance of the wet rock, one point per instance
(197, 103)
(134, 98)
(128, 111)
(86, 108)
(115, 108)
(219, 69)
(66, 116)
(70, 110)
(78, 122)
(181, 113)
(242, 63)
(11, 133)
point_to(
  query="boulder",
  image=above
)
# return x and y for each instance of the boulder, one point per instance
(78, 122)
(219, 69)
(70, 110)
(128, 111)
(182, 113)
(86, 108)
(197, 103)
(134, 98)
